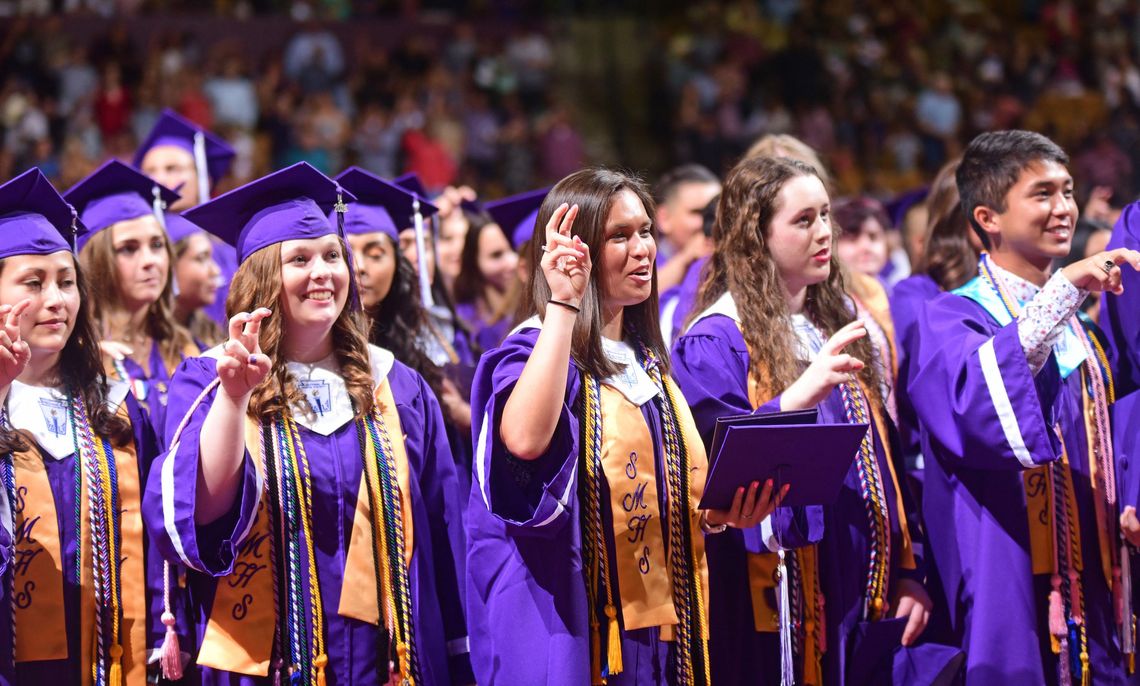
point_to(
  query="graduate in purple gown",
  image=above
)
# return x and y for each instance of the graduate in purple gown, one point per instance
(196, 279)
(488, 282)
(585, 547)
(1012, 392)
(389, 294)
(127, 257)
(83, 583)
(308, 484)
(772, 329)
(183, 156)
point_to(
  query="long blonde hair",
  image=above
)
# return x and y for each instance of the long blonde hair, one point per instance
(257, 283)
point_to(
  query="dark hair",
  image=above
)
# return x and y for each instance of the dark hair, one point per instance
(593, 191)
(80, 372)
(850, 213)
(991, 165)
(708, 216)
(742, 265)
(200, 325)
(673, 179)
(947, 256)
(397, 322)
(469, 285)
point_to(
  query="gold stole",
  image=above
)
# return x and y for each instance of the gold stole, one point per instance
(629, 463)
(239, 634)
(40, 617)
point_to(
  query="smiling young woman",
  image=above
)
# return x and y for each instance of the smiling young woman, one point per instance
(576, 423)
(83, 586)
(128, 259)
(283, 432)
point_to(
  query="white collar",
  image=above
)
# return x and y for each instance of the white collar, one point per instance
(532, 323)
(44, 412)
(330, 405)
(633, 381)
(724, 305)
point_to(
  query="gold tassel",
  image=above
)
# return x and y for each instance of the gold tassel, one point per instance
(596, 653)
(320, 663)
(115, 678)
(1055, 644)
(614, 656)
(402, 657)
(1086, 678)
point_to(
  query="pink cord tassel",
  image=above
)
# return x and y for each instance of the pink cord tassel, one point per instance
(1056, 608)
(170, 657)
(1075, 597)
(1117, 595)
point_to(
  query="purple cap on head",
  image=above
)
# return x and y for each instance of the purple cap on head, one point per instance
(411, 182)
(208, 150)
(293, 203)
(179, 227)
(34, 217)
(115, 193)
(516, 215)
(381, 206)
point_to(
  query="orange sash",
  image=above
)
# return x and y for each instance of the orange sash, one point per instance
(240, 631)
(41, 623)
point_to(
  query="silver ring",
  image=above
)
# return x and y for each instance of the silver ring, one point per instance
(545, 248)
(1108, 266)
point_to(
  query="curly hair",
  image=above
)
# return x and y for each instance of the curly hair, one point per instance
(396, 322)
(742, 265)
(98, 260)
(593, 191)
(257, 283)
(79, 371)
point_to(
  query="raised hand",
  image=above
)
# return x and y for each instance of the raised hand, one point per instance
(749, 508)
(565, 260)
(1102, 271)
(241, 365)
(14, 351)
(829, 369)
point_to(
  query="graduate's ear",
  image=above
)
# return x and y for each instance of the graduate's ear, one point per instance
(988, 220)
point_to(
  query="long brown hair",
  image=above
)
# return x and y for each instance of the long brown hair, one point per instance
(80, 372)
(593, 191)
(742, 265)
(257, 283)
(470, 285)
(98, 260)
(947, 255)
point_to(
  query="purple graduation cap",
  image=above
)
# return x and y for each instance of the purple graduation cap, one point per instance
(516, 215)
(411, 181)
(179, 227)
(212, 155)
(114, 193)
(289, 204)
(381, 206)
(34, 217)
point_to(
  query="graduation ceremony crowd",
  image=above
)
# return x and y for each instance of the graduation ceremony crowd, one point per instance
(338, 429)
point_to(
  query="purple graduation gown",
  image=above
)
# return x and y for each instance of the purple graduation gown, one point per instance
(711, 365)
(528, 611)
(965, 366)
(61, 477)
(909, 297)
(487, 334)
(1120, 314)
(437, 562)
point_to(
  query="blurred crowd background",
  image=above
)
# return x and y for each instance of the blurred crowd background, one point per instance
(505, 96)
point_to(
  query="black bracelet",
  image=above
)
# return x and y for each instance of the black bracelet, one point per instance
(568, 306)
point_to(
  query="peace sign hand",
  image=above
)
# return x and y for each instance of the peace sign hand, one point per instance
(242, 365)
(565, 260)
(14, 351)
(830, 368)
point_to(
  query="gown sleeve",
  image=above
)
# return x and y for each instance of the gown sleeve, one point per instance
(710, 364)
(972, 389)
(440, 491)
(532, 497)
(169, 505)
